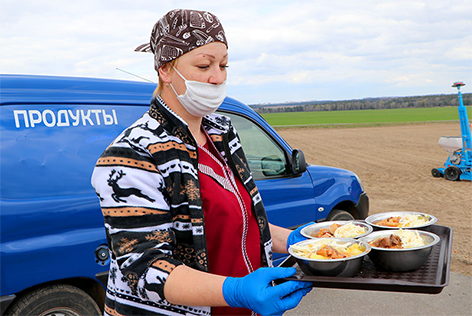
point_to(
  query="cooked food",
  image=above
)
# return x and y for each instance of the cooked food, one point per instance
(402, 239)
(326, 232)
(390, 242)
(348, 230)
(409, 220)
(392, 221)
(328, 250)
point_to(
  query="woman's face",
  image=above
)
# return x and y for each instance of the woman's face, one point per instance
(206, 64)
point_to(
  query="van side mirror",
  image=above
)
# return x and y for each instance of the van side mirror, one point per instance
(298, 162)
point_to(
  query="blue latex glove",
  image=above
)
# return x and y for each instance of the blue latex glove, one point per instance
(255, 291)
(296, 236)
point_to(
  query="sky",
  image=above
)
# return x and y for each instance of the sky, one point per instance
(279, 51)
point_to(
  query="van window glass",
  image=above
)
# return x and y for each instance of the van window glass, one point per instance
(265, 157)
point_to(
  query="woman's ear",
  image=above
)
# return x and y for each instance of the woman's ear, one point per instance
(164, 72)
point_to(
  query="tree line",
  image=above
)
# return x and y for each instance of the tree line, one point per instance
(366, 104)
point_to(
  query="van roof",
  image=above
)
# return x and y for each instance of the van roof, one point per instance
(40, 89)
(18, 89)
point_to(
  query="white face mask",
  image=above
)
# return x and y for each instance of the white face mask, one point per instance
(201, 98)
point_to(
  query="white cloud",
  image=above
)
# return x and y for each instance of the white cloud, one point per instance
(279, 50)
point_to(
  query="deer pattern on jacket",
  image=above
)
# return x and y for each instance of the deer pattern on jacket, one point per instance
(119, 193)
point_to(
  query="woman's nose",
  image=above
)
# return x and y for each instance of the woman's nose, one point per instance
(218, 76)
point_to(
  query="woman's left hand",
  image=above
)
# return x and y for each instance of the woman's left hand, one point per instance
(296, 236)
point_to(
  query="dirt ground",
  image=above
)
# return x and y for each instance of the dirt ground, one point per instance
(394, 163)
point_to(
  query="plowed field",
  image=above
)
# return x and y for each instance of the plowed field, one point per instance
(394, 163)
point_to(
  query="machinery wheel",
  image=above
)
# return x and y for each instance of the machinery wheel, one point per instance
(339, 215)
(435, 172)
(55, 300)
(452, 173)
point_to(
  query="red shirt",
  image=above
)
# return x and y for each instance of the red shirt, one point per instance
(232, 232)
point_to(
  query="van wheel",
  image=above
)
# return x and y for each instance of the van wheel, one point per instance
(339, 215)
(55, 300)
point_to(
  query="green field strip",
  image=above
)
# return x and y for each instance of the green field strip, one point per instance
(364, 117)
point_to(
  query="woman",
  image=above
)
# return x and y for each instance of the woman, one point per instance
(185, 223)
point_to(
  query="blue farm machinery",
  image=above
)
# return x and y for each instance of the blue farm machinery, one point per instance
(459, 163)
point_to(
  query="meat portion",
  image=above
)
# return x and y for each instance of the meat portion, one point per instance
(325, 232)
(391, 242)
(333, 228)
(330, 252)
(393, 221)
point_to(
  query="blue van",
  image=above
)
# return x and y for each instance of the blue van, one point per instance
(54, 255)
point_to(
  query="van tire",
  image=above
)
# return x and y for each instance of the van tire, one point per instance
(61, 299)
(339, 215)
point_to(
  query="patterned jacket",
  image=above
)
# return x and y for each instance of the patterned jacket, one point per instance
(147, 182)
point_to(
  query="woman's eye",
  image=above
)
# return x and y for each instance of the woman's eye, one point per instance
(203, 67)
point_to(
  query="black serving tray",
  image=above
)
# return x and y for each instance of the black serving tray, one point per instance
(430, 278)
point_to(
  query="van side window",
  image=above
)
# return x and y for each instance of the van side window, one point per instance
(266, 159)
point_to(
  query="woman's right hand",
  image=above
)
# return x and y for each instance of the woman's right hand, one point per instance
(255, 291)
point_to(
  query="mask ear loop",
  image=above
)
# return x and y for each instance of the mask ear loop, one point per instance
(179, 74)
(185, 80)
(174, 90)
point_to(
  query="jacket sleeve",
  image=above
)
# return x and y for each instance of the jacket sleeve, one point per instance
(137, 217)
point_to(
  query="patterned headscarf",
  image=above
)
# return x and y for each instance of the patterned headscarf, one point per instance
(180, 31)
